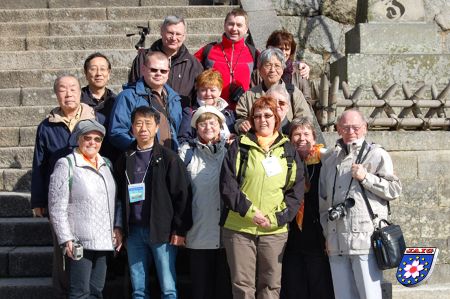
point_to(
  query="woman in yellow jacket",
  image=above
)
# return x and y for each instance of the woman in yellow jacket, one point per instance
(261, 185)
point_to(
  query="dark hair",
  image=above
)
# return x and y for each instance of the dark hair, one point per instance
(146, 111)
(95, 55)
(263, 103)
(237, 12)
(282, 37)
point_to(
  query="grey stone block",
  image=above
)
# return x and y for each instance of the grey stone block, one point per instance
(342, 11)
(30, 288)
(27, 136)
(23, 116)
(405, 165)
(9, 137)
(385, 70)
(39, 96)
(41, 15)
(90, 3)
(23, 4)
(435, 223)
(164, 2)
(444, 192)
(434, 166)
(9, 97)
(395, 12)
(16, 232)
(14, 204)
(16, 157)
(24, 29)
(419, 193)
(395, 38)
(194, 25)
(422, 292)
(16, 179)
(148, 13)
(12, 44)
(262, 23)
(4, 261)
(324, 35)
(30, 261)
(409, 220)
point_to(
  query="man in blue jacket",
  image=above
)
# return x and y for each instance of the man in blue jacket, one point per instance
(150, 90)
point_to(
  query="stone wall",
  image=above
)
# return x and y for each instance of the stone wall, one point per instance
(422, 161)
(320, 27)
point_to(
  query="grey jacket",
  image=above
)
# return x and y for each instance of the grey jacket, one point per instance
(84, 211)
(204, 171)
(244, 106)
(351, 234)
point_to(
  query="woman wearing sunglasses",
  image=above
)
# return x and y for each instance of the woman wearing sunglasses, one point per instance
(261, 184)
(81, 200)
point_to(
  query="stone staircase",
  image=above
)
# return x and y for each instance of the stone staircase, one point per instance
(39, 40)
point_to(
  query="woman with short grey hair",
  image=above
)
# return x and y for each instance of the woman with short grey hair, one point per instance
(270, 66)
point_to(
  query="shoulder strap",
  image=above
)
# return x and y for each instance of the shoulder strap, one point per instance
(254, 54)
(108, 163)
(69, 161)
(243, 150)
(189, 153)
(289, 155)
(290, 89)
(205, 53)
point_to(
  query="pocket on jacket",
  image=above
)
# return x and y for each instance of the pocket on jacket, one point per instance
(361, 231)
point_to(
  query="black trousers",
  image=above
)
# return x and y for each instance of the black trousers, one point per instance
(210, 274)
(306, 276)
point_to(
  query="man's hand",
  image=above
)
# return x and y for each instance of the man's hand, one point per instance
(304, 70)
(358, 172)
(39, 212)
(117, 238)
(69, 247)
(177, 240)
(245, 126)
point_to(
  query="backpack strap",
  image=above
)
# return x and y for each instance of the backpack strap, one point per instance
(69, 161)
(243, 151)
(189, 153)
(205, 53)
(289, 154)
(254, 54)
(208, 47)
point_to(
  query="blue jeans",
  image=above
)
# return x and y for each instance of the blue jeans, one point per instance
(140, 252)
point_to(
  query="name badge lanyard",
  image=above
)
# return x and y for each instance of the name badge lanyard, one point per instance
(230, 64)
(136, 192)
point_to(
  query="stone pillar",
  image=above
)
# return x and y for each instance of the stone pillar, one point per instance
(392, 43)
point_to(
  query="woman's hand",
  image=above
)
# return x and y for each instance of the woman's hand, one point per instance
(260, 220)
(245, 126)
(69, 248)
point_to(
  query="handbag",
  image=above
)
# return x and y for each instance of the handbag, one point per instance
(387, 241)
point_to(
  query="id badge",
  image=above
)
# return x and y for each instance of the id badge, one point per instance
(136, 192)
(271, 166)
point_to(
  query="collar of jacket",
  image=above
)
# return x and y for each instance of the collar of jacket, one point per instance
(228, 43)
(88, 98)
(175, 59)
(213, 148)
(140, 89)
(56, 115)
(156, 152)
(250, 139)
(81, 162)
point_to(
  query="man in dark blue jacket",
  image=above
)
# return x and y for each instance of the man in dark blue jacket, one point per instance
(151, 90)
(54, 140)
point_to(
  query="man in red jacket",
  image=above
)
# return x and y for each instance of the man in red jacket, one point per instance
(232, 57)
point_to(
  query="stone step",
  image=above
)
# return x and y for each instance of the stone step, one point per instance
(398, 38)
(16, 157)
(13, 179)
(17, 136)
(46, 78)
(25, 232)
(197, 25)
(27, 4)
(23, 116)
(32, 261)
(15, 204)
(427, 291)
(93, 42)
(29, 288)
(111, 13)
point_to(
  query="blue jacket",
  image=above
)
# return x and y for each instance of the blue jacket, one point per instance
(135, 95)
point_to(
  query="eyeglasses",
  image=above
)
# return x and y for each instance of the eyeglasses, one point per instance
(268, 66)
(260, 116)
(174, 34)
(282, 103)
(154, 71)
(94, 69)
(89, 138)
(204, 124)
(355, 129)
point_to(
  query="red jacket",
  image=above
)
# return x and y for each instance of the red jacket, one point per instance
(239, 59)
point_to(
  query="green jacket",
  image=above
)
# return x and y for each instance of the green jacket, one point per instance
(258, 190)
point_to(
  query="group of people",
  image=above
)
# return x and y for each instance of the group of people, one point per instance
(216, 152)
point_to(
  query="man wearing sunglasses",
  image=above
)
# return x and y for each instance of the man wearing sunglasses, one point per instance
(150, 90)
(53, 141)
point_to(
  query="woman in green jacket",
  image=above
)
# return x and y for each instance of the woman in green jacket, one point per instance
(261, 185)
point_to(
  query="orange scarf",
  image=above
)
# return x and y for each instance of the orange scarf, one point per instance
(313, 158)
(266, 142)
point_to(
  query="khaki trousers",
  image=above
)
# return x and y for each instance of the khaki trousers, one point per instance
(255, 264)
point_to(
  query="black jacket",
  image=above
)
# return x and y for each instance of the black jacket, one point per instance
(168, 189)
(184, 68)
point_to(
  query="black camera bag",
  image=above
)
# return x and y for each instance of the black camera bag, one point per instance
(388, 245)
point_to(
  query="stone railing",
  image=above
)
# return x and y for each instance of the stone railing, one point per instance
(423, 109)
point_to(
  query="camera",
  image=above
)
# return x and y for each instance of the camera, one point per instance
(340, 210)
(77, 251)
